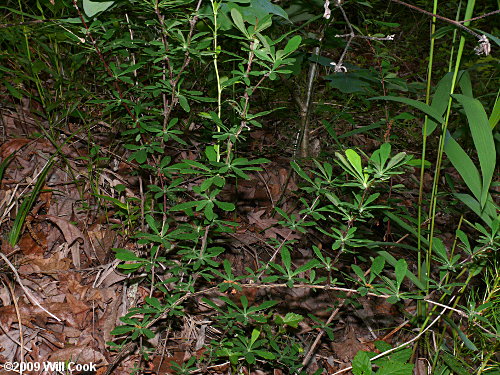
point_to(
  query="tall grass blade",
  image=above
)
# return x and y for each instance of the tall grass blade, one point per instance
(495, 114)
(427, 109)
(28, 202)
(464, 165)
(483, 140)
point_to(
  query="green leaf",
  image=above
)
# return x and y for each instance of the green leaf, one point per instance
(152, 223)
(291, 319)
(126, 255)
(464, 165)
(440, 100)
(264, 354)
(225, 206)
(184, 103)
(488, 214)
(495, 114)
(285, 257)
(185, 205)
(148, 333)
(154, 302)
(91, 8)
(428, 110)
(292, 44)
(359, 272)
(465, 83)
(28, 203)
(377, 265)
(266, 7)
(361, 364)
(455, 364)
(483, 140)
(301, 172)
(469, 344)
(355, 160)
(392, 261)
(255, 336)
(401, 268)
(211, 153)
(120, 330)
(395, 368)
(238, 21)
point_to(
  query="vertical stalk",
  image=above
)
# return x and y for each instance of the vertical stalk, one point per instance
(421, 306)
(433, 199)
(215, 11)
(444, 129)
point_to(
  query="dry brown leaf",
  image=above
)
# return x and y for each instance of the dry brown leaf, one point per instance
(70, 232)
(163, 365)
(349, 346)
(9, 147)
(36, 263)
(31, 247)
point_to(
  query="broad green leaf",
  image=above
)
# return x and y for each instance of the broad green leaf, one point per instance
(465, 83)
(184, 103)
(126, 255)
(440, 100)
(285, 257)
(355, 160)
(267, 7)
(464, 165)
(264, 354)
(487, 214)
(377, 265)
(225, 206)
(244, 302)
(152, 223)
(428, 110)
(238, 21)
(120, 330)
(483, 140)
(263, 24)
(91, 8)
(250, 358)
(154, 302)
(359, 272)
(185, 205)
(400, 269)
(361, 364)
(292, 44)
(291, 319)
(255, 336)
(210, 153)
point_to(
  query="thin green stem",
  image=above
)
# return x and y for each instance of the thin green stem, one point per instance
(215, 11)
(444, 129)
(421, 305)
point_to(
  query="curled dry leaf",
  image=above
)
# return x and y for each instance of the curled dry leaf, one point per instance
(9, 147)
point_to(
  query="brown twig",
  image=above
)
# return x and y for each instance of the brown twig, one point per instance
(453, 22)
(482, 16)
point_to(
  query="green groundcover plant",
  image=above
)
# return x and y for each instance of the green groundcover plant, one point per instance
(192, 75)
